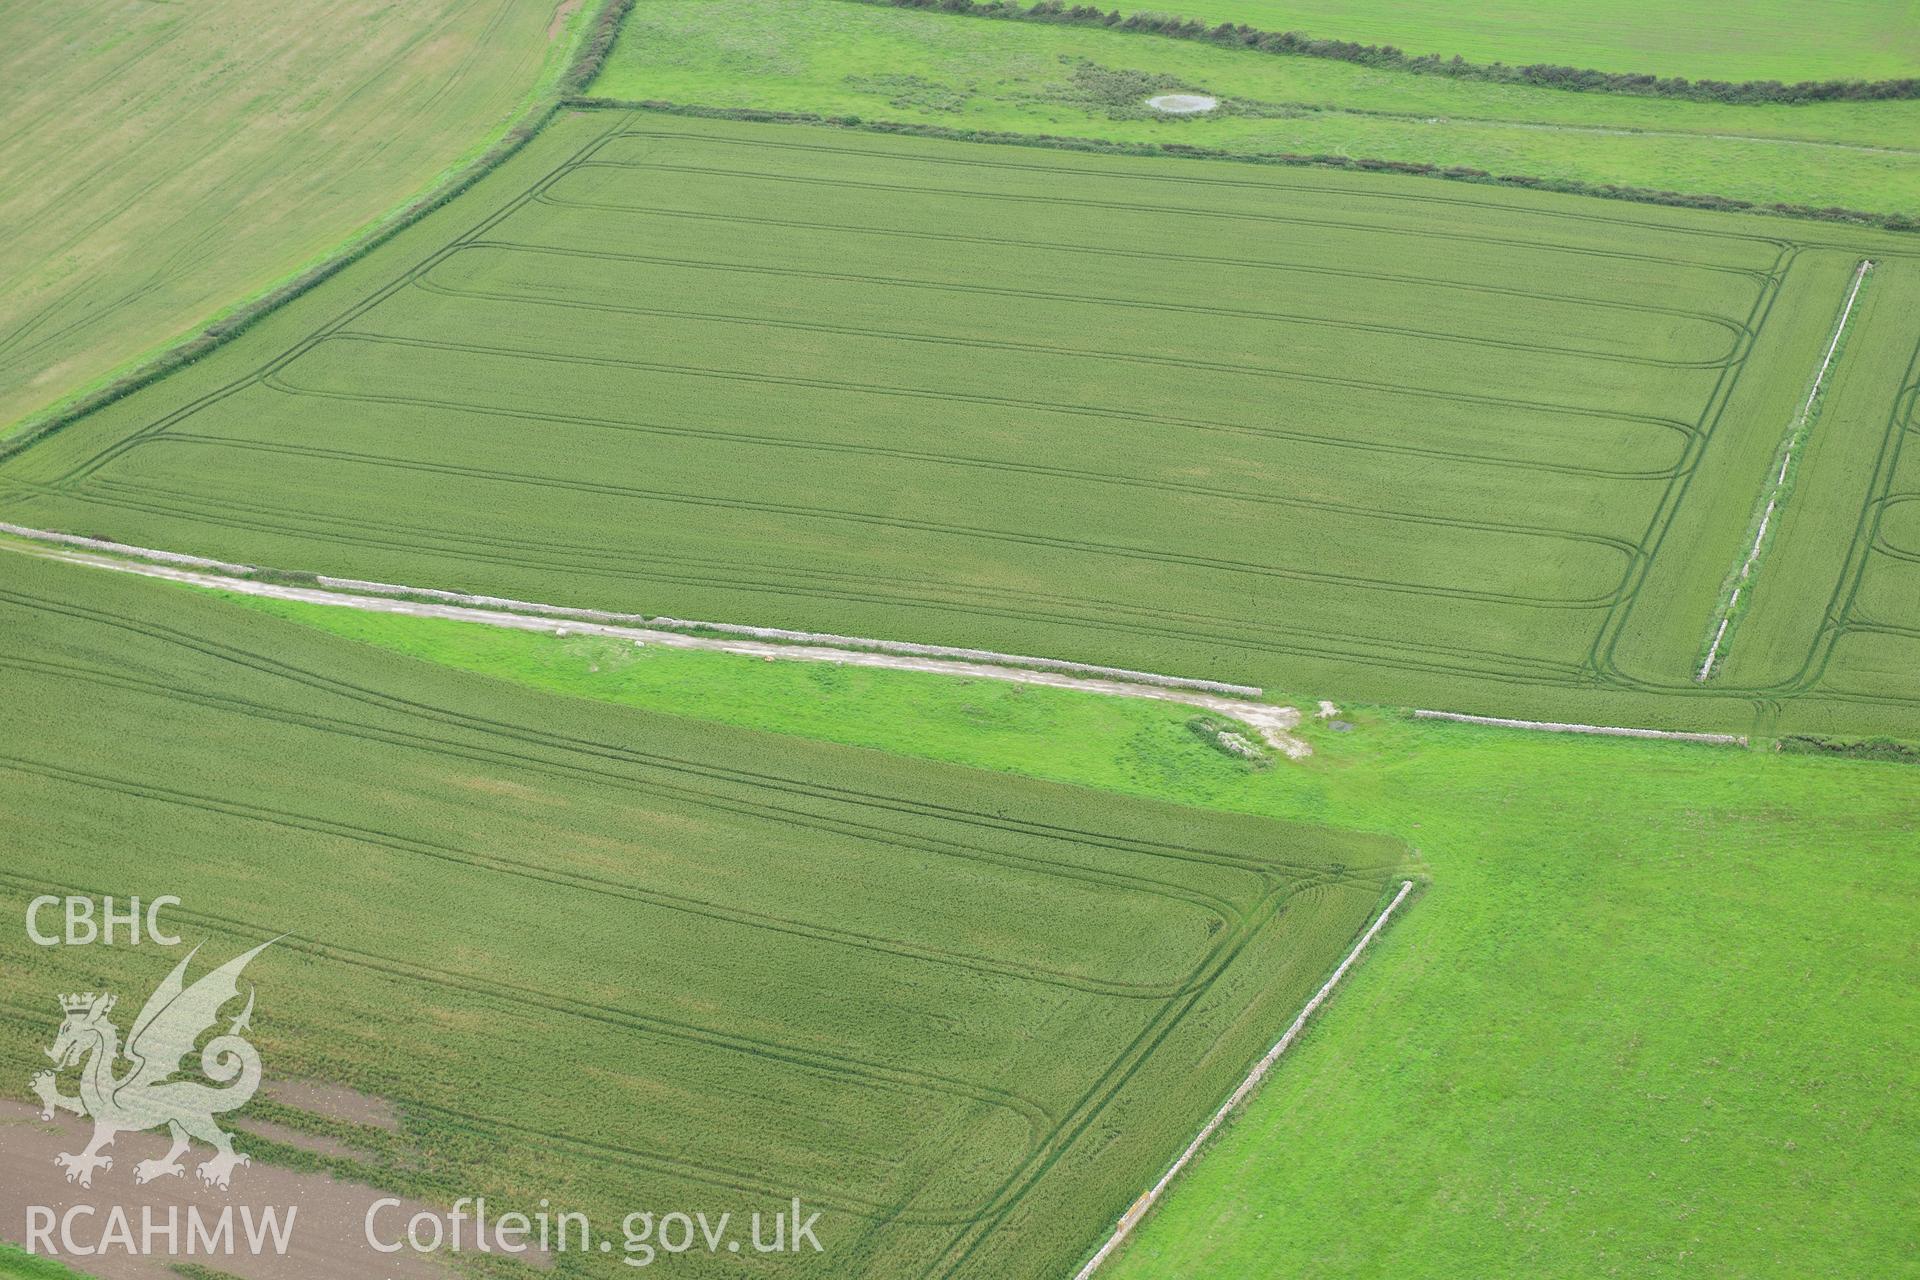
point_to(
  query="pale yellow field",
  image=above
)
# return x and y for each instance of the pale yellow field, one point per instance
(163, 162)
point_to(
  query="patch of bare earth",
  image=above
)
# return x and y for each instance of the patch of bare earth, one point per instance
(297, 1139)
(1238, 701)
(566, 10)
(334, 1102)
(327, 1242)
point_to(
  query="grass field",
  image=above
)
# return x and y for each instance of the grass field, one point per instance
(963, 963)
(1648, 1019)
(184, 157)
(1394, 439)
(834, 58)
(17, 1264)
(1717, 40)
(646, 961)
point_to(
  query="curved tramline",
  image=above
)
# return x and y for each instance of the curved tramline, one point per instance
(1165, 943)
(1327, 317)
(1151, 1196)
(1075, 441)
(1776, 491)
(1240, 702)
(526, 624)
(1824, 540)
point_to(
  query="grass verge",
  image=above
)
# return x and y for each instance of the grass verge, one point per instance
(827, 57)
(1650, 1010)
(1240, 34)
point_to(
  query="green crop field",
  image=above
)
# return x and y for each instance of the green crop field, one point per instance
(224, 147)
(1647, 1017)
(687, 965)
(1414, 442)
(837, 58)
(1715, 40)
(853, 318)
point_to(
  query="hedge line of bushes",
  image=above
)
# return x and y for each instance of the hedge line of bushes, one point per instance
(1867, 749)
(1457, 173)
(1546, 75)
(586, 64)
(594, 50)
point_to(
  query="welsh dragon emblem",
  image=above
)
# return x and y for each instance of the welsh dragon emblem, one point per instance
(145, 1095)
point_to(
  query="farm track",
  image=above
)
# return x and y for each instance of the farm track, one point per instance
(518, 999)
(1054, 1125)
(1842, 613)
(1606, 641)
(1053, 171)
(1608, 131)
(1375, 648)
(424, 281)
(1272, 722)
(1272, 901)
(811, 444)
(622, 754)
(1903, 417)
(1118, 551)
(1122, 206)
(1255, 639)
(1145, 1203)
(1518, 669)
(536, 998)
(1133, 254)
(601, 885)
(1774, 496)
(1596, 730)
(969, 1238)
(278, 379)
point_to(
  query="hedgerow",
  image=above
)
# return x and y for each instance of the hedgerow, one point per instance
(1456, 173)
(581, 72)
(1389, 57)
